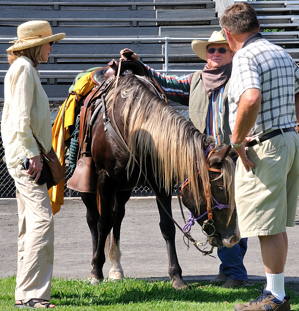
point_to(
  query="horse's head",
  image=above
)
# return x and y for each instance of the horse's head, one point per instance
(216, 211)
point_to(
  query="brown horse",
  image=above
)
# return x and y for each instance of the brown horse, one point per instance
(138, 139)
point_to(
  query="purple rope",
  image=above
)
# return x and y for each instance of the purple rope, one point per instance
(208, 150)
(191, 220)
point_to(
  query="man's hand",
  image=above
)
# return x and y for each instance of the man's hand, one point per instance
(127, 54)
(243, 156)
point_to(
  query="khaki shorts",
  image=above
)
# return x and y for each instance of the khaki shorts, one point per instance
(266, 197)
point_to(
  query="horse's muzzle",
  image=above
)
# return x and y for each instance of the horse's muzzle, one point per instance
(216, 241)
(231, 241)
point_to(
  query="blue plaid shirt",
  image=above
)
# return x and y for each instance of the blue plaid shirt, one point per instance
(268, 67)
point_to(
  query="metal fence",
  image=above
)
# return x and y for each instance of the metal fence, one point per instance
(7, 187)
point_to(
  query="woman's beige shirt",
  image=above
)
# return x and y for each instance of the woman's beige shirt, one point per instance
(26, 112)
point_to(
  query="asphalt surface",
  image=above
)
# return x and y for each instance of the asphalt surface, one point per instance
(142, 245)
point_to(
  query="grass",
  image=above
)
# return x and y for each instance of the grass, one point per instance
(141, 295)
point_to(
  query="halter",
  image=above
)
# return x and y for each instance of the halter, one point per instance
(209, 197)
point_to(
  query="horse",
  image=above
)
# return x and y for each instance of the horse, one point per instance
(138, 139)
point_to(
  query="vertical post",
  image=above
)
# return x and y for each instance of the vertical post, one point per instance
(166, 40)
(221, 5)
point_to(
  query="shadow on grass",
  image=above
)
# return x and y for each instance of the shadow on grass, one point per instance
(80, 294)
(130, 291)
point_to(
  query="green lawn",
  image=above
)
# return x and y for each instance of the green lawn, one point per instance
(132, 294)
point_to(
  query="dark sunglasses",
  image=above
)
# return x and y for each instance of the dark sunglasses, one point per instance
(51, 43)
(220, 50)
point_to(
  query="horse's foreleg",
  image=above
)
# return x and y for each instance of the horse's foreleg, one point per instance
(168, 231)
(116, 271)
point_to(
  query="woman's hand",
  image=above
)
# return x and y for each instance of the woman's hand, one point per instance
(35, 168)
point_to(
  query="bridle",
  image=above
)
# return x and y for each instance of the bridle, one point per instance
(209, 197)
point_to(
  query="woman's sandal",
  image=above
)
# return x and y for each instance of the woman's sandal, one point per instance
(35, 304)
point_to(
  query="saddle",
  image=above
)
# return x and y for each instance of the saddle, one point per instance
(84, 178)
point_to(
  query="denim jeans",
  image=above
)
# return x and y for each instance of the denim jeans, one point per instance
(232, 261)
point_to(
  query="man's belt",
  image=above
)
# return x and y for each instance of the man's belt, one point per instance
(269, 135)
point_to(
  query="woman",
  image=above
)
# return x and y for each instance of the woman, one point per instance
(26, 125)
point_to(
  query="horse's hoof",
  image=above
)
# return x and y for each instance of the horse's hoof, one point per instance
(93, 280)
(179, 284)
(116, 275)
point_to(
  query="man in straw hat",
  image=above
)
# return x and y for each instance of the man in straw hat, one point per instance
(264, 109)
(205, 92)
(26, 119)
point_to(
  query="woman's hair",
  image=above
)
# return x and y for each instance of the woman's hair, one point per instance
(240, 18)
(34, 53)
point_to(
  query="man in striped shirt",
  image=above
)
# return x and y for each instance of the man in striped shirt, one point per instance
(264, 109)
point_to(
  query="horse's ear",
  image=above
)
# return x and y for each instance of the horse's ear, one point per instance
(233, 153)
(220, 154)
(225, 152)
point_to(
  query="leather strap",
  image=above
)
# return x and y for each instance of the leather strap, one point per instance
(269, 135)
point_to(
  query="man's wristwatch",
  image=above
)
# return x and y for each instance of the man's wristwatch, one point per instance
(235, 145)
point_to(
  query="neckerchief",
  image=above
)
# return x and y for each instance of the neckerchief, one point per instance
(214, 79)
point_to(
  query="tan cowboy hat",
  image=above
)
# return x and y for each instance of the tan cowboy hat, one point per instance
(34, 33)
(200, 47)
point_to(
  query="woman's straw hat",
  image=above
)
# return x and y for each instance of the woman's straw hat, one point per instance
(34, 33)
(200, 47)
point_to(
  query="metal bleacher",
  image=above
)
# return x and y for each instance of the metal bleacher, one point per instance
(96, 31)
(282, 17)
(159, 31)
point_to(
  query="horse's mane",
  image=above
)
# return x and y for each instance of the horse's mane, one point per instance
(155, 131)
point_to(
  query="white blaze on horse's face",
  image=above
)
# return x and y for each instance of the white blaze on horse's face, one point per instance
(232, 241)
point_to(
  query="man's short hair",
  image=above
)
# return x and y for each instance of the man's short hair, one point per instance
(240, 18)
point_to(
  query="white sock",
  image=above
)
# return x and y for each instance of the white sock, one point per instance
(275, 285)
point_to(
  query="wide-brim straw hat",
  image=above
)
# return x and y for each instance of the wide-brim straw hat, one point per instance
(34, 33)
(200, 47)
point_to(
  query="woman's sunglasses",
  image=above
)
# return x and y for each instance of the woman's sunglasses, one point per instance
(220, 50)
(51, 43)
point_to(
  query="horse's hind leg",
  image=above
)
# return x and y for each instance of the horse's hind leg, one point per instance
(92, 217)
(168, 231)
(116, 270)
(100, 220)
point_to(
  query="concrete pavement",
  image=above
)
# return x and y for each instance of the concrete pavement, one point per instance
(142, 245)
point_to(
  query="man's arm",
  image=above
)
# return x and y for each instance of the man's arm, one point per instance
(176, 88)
(248, 108)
